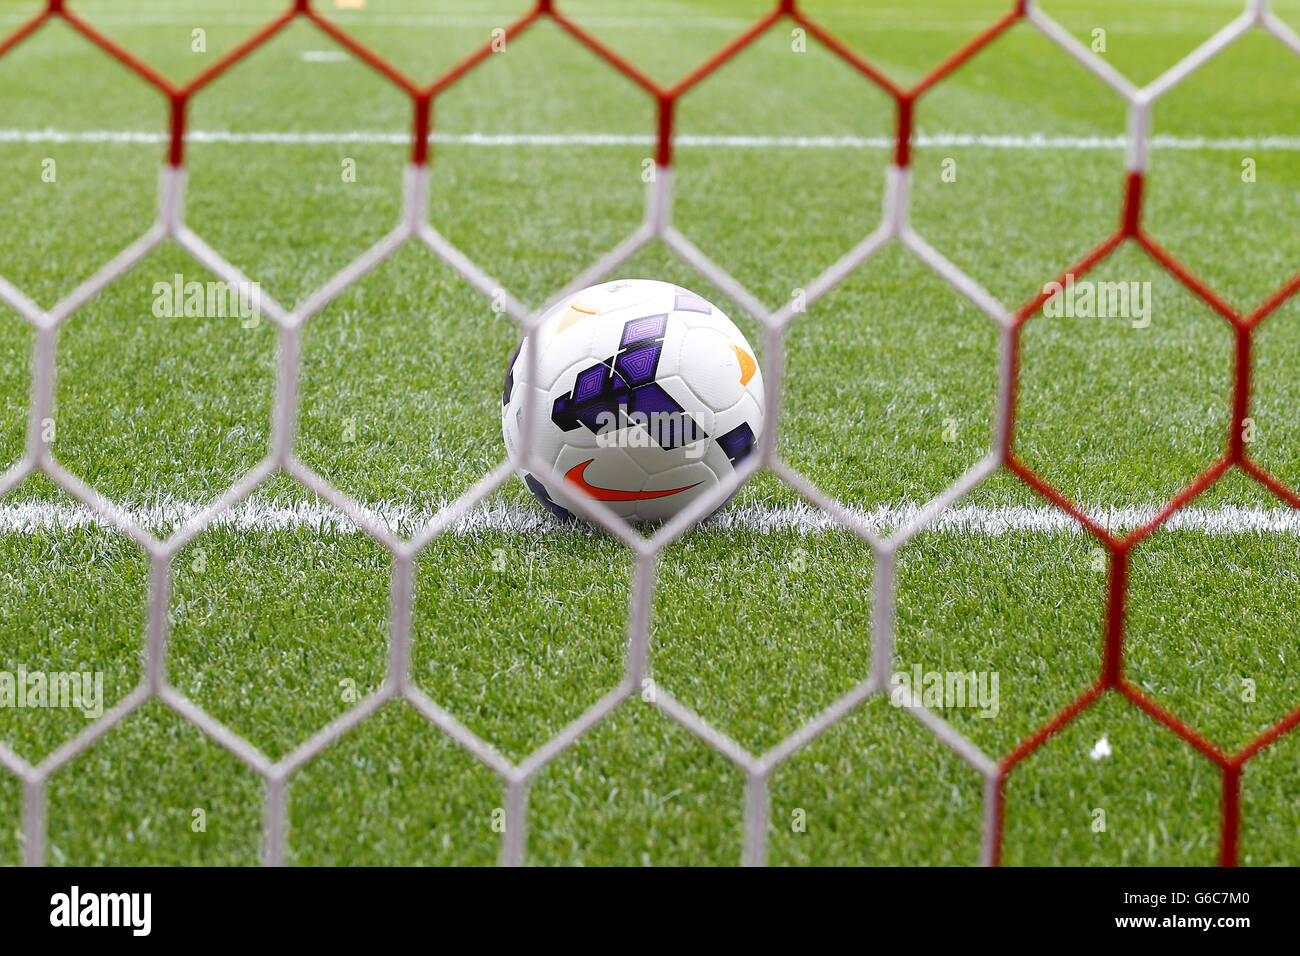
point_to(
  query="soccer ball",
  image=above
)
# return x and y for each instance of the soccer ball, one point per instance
(647, 397)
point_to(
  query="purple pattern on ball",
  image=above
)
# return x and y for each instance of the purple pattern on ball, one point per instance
(638, 366)
(589, 384)
(690, 302)
(737, 443)
(605, 393)
(541, 494)
(638, 330)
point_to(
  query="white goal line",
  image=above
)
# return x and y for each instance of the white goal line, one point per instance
(268, 516)
(878, 19)
(1010, 141)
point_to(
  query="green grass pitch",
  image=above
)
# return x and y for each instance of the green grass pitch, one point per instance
(889, 397)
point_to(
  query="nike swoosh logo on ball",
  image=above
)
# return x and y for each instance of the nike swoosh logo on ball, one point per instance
(575, 473)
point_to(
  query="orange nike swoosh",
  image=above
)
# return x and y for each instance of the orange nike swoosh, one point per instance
(574, 475)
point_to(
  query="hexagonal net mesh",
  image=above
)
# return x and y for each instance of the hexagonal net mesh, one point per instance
(656, 226)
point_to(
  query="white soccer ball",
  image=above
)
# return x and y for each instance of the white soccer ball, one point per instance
(647, 398)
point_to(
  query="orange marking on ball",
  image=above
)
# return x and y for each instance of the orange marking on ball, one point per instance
(747, 364)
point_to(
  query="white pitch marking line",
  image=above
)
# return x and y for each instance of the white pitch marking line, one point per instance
(267, 516)
(887, 21)
(325, 56)
(1031, 141)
